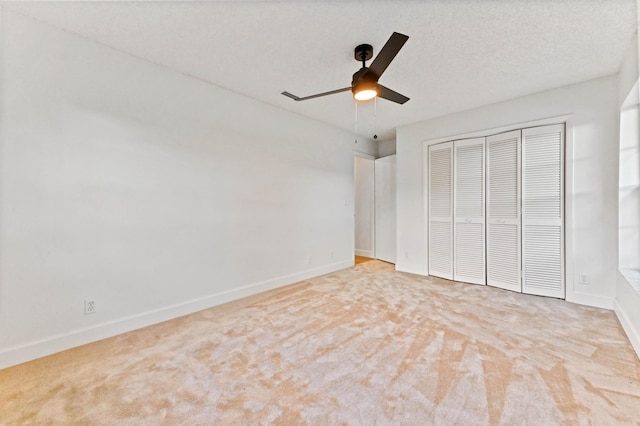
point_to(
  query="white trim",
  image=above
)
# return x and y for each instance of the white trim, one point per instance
(373, 213)
(626, 308)
(570, 279)
(502, 129)
(632, 331)
(364, 253)
(425, 209)
(604, 302)
(363, 155)
(632, 277)
(37, 349)
(411, 271)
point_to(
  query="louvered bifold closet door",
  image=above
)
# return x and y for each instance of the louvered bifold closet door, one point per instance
(441, 210)
(503, 210)
(543, 211)
(469, 250)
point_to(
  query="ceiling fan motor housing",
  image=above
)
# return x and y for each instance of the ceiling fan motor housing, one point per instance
(362, 81)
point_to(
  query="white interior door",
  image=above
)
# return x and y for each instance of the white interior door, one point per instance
(503, 210)
(385, 208)
(441, 210)
(469, 232)
(363, 206)
(543, 211)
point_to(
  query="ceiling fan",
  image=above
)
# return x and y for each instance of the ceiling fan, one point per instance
(364, 84)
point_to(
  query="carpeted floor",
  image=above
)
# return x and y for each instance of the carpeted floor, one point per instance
(366, 345)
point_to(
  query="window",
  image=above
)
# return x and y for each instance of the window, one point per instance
(629, 190)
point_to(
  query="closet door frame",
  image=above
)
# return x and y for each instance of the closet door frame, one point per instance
(571, 278)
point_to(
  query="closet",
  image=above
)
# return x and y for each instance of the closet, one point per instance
(495, 210)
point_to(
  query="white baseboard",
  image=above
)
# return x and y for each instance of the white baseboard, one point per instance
(37, 349)
(364, 253)
(603, 302)
(410, 271)
(632, 330)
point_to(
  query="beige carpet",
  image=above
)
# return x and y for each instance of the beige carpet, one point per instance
(366, 345)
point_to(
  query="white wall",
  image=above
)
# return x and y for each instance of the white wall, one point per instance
(593, 177)
(364, 179)
(150, 192)
(628, 74)
(386, 148)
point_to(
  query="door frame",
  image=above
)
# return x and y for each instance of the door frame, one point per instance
(373, 218)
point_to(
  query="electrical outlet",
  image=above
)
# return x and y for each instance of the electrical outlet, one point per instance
(331, 255)
(583, 278)
(89, 307)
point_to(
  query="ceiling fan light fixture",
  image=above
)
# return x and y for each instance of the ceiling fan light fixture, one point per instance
(365, 91)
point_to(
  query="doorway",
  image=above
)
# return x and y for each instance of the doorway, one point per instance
(364, 209)
(375, 208)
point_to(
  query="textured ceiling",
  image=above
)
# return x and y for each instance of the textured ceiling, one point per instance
(461, 53)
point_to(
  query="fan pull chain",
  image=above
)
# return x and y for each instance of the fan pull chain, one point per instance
(375, 117)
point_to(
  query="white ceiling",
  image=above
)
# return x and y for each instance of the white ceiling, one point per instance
(461, 54)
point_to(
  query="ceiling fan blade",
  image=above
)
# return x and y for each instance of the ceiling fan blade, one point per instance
(390, 95)
(297, 98)
(387, 53)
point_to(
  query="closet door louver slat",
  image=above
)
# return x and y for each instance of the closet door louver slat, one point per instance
(469, 247)
(441, 210)
(543, 210)
(503, 211)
